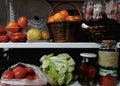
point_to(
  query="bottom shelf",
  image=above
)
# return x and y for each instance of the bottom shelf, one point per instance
(76, 83)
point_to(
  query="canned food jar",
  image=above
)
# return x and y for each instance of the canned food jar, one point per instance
(108, 55)
(107, 77)
(87, 70)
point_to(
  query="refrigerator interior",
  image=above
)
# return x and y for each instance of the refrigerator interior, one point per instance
(11, 56)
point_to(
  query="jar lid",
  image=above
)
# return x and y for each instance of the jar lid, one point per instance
(109, 41)
(88, 55)
(105, 72)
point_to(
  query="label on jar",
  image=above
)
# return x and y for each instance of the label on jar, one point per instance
(108, 59)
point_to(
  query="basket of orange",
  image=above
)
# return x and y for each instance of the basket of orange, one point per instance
(63, 26)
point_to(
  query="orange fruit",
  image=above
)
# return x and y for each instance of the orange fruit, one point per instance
(45, 35)
(65, 13)
(59, 17)
(77, 17)
(70, 18)
(51, 19)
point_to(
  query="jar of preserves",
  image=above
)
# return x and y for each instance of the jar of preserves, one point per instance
(108, 55)
(108, 63)
(87, 69)
(107, 77)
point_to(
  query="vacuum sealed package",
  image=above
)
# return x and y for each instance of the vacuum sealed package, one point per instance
(113, 10)
(94, 10)
(99, 9)
(38, 79)
(88, 9)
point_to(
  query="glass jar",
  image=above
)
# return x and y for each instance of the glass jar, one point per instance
(108, 55)
(87, 69)
(107, 77)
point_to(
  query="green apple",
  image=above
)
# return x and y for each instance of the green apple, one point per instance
(34, 34)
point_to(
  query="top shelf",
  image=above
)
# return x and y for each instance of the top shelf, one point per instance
(52, 45)
(67, 0)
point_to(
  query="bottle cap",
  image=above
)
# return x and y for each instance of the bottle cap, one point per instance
(109, 41)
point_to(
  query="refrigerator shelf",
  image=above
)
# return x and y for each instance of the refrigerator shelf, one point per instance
(50, 45)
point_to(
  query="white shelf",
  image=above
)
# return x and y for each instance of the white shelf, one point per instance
(52, 45)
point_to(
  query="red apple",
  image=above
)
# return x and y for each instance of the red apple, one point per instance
(2, 30)
(4, 38)
(17, 37)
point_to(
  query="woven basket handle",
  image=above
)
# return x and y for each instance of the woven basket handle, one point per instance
(68, 3)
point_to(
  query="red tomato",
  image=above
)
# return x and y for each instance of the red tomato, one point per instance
(17, 37)
(12, 29)
(12, 24)
(29, 77)
(8, 75)
(92, 71)
(20, 73)
(4, 38)
(29, 70)
(2, 30)
(83, 67)
(107, 80)
(17, 68)
(22, 22)
(35, 76)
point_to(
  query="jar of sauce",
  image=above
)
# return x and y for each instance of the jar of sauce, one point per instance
(107, 77)
(108, 63)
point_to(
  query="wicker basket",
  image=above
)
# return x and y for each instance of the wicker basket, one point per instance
(104, 29)
(64, 31)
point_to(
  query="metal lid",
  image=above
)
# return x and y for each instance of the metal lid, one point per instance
(109, 41)
(88, 55)
(105, 72)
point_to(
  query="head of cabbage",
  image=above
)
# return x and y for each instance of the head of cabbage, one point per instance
(58, 68)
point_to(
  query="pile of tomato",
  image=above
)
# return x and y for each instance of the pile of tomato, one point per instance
(20, 72)
(14, 30)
